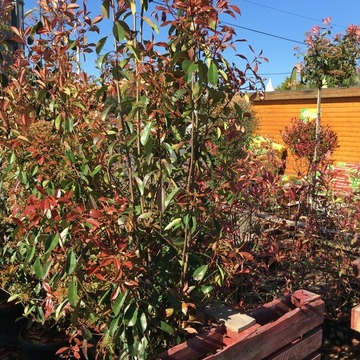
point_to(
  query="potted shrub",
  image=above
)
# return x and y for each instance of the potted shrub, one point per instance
(10, 320)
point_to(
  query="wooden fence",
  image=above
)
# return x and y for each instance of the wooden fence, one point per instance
(340, 108)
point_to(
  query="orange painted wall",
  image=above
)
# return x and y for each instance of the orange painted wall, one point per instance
(340, 108)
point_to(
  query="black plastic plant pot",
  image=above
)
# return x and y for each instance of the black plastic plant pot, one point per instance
(10, 321)
(39, 351)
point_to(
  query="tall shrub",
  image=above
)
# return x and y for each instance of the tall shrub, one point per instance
(111, 184)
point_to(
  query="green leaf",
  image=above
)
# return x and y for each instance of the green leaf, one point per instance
(140, 185)
(58, 122)
(101, 59)
(105, 8)
(14, 297)
(165, 327)
(72, 292)
(185, 64)
(134, 51)
(200, 272)
(145, 133)
(213, 75)
(169, 197)
(189, 66)
(206, 289)
(12, 158)
(64, 235)
(114, 326)
(73, 44)
(41, 95)
(117, 73)
(23, 177)
(142, 322)
(51, 243)
(192, 68)
(47, 268)
(146, 215)
(106, 111)
(130, 314)
(172, 224)
(59, 310)
(69, 125)
(224, 74)
(118, 32)
(197, 89)
(100, 44)
(118, 303)
(114, 158)
(239, 110)
(29, 256)
(95, 171)
(151, 24)
(38, 269)
(79, 105)
(70, 156)
(70, 262)
(202, 71)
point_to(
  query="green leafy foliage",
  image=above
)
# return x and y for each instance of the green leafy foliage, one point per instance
(330, 60)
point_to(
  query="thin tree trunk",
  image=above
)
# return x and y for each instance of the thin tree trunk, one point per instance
(315, 161)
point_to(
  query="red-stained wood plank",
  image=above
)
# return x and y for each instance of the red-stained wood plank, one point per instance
(300, 348)
(197, 347)
(355, 318)
(314, 356)
(302, 297)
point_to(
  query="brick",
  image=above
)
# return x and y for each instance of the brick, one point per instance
(232, 319)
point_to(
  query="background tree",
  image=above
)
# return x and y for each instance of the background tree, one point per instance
(288, 83)
(328, 60)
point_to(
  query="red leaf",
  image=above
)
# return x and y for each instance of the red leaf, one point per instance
(46, 287)
(95, 213)
(128, 264)
(15, 31)
(106, 262)
(100, 277)
(61, 350)
(93, 222)
(96, 19)
(73, 6)
(236, 9)
(115, 294)
(246, 255)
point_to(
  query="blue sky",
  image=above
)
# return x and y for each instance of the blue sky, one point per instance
(273, 26)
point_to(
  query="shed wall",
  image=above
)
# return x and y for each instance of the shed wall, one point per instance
(340, 108)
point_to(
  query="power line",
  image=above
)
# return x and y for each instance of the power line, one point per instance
(264, 33)
(288, 12)
(253, 30)
(274, 74)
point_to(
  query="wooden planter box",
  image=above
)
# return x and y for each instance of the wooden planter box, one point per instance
(285, 329)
